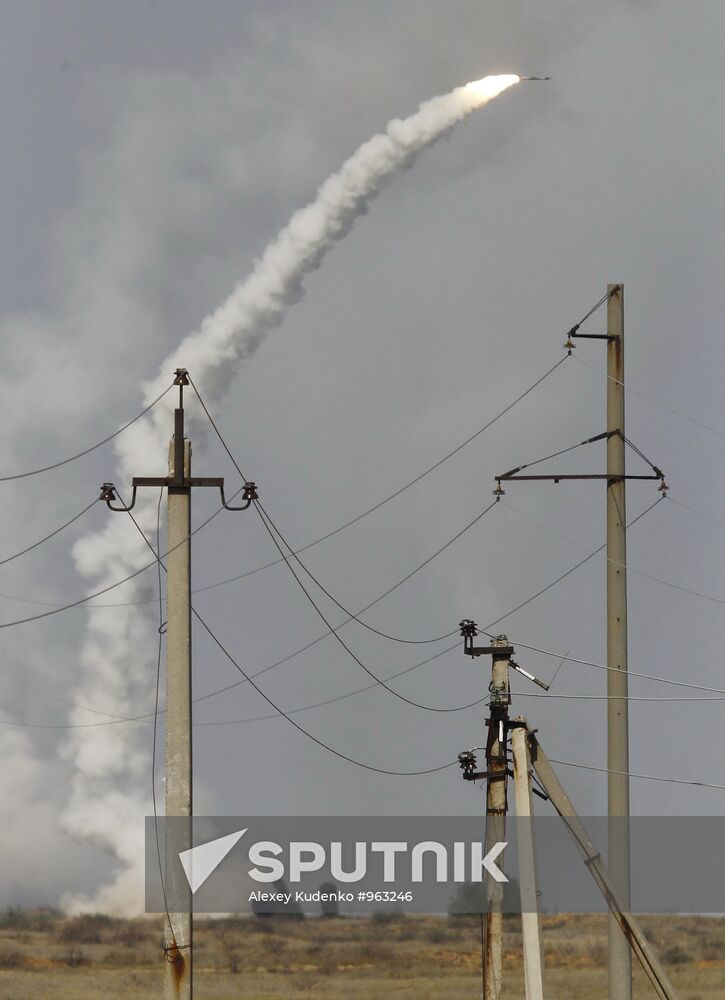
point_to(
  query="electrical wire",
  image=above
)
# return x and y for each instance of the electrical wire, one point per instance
(156, 715)
(266, 697)
(349, 694)
(603, 666)
(610, 697)
(148, 717)
(273, 531)
(415, 666)
(86, 451)
(63, 701)
(368, 687)
(355, 617)
(339, 697)
(274, 534)
(630, 569)
(651, 399)
(305, 732)
(646, 777)
(332, 631)
(694, 510)
(387, 499)
(338, 637)
(512, 473)
(112, 586)
(572, 569)
(605, 298)
(411, 482)
(638, 451)
(330, 534)
(555, 454)
(47, 537)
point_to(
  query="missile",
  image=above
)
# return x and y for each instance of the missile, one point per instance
(535, 78)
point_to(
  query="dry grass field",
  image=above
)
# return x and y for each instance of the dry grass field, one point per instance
(47, 957)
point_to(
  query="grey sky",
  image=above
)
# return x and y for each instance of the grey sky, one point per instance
(152, 149)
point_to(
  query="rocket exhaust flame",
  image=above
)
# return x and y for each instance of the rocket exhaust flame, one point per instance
(107, 798)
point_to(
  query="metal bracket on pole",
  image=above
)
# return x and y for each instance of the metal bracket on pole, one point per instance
(556, 477)
(178, 480)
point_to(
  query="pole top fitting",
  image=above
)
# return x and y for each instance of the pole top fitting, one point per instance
(250, 491)
(500, 640)
(108, 492)
(182, 376)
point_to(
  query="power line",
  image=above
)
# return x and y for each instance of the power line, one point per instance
(368, 687)
(147, 717)
(603, 666)
(336, 698)
(378, 680)
(273, 532)
(646, 777)
(111, 586)
(329, 534)
(342, 697)
(324, 635)
(117, 721)
(610, 697)
(555, 454)
(305, 732)
(52, 534)
(297, 726)
(568, 572)
(62, 701)
(355, 617)
(651, 399)
(391, 496)
(156, 710)
(335, 634)
(597, 305)
(694, 510)
(630, 569)
(86, 451)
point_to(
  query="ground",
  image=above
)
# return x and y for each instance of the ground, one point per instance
(44, 956)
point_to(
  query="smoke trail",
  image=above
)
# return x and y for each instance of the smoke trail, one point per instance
(109, 794)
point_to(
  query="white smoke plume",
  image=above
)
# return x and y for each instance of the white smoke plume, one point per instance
(110, 791)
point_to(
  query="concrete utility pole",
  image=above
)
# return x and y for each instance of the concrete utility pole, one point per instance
(178, 926)
(531, 925)
(496, 805)
(495, 775)
(592, 858)
(178, 930)
(620, 956)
